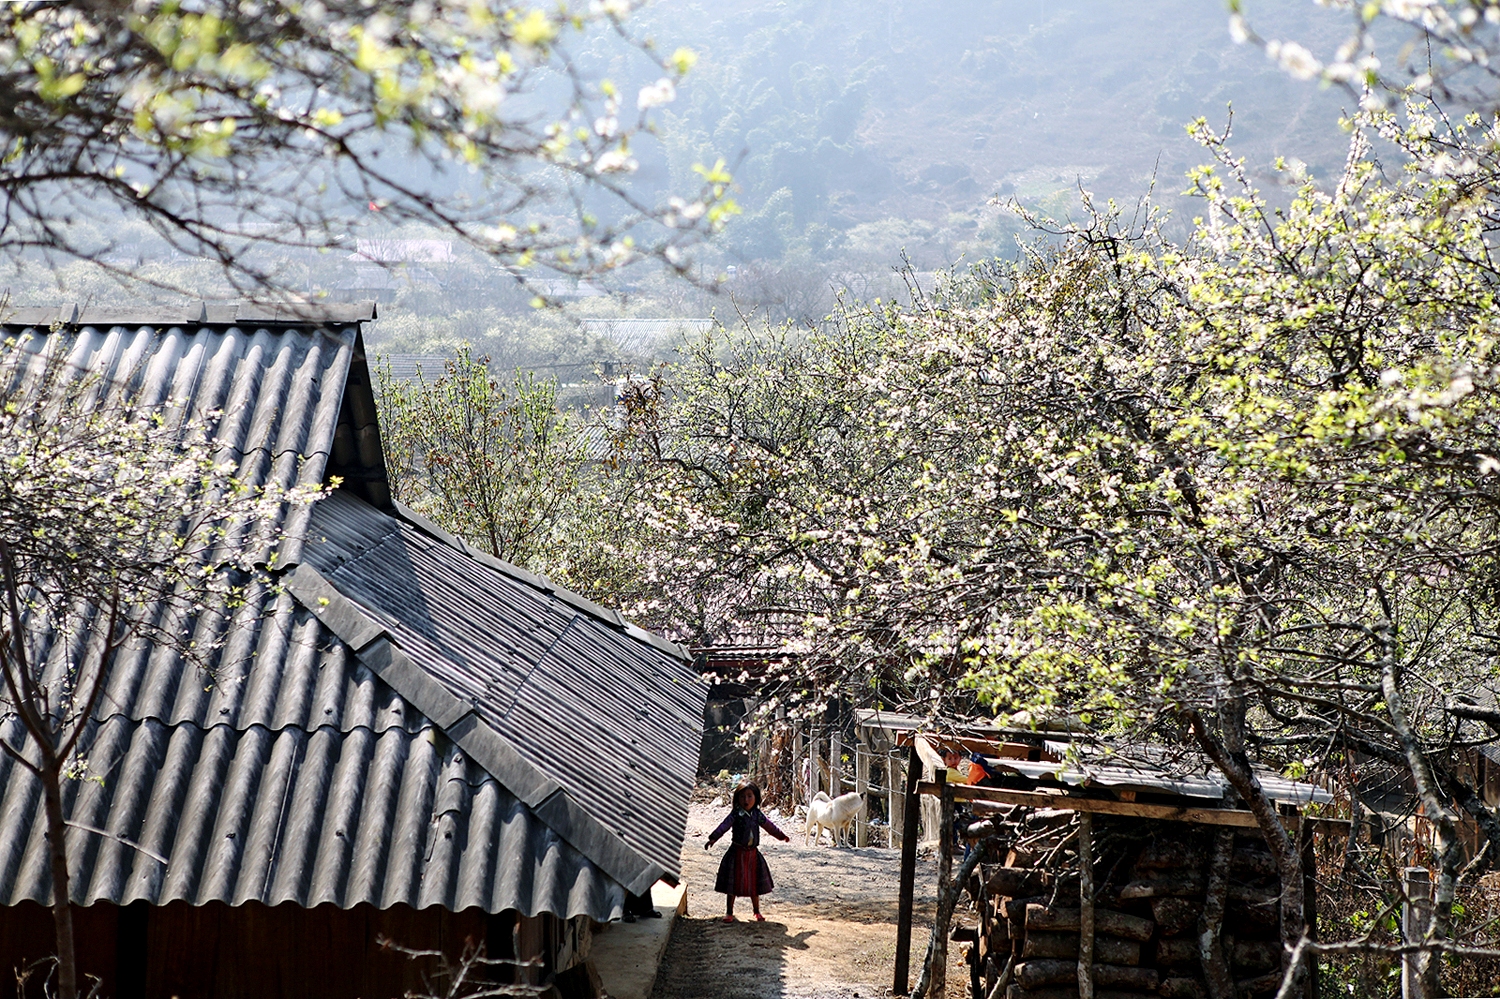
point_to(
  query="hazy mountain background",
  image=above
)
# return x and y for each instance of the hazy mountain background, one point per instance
(858, 131)
(860, 126)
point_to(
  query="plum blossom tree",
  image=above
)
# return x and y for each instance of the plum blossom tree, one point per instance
(1237, 494)
(230, 125)
(120, 524)
(495, 464)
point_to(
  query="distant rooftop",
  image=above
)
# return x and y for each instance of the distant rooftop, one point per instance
(191, 314)
(410, 367)
(396, 251)
(639, 335)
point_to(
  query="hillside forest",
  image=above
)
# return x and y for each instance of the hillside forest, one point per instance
(1066, 365)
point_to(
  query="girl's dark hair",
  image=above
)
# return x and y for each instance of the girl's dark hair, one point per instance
(747, 786)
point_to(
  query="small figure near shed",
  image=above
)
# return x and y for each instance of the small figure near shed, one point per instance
(743, 872)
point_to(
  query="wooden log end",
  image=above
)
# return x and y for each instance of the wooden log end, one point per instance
(1041, 972)
(1107, 949)
(1017, 882)
(1064, 992)
(1175, 915)
(1106, 921)
(1261, 985)
(1183, 987)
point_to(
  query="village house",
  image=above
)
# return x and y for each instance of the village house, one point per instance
(403, 739)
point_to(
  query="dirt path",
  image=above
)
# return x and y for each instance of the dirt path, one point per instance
(830, 929)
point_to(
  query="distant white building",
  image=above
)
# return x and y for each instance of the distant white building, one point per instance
(404, 251)
(642, 336)
(382, 283)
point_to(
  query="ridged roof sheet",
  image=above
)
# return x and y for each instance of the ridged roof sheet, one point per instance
(302, 768)
(612, 717)
(294, 774)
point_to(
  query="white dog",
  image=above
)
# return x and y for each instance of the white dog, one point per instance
(837, 815)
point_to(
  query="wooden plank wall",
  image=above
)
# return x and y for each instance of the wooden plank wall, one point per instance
(254, 950)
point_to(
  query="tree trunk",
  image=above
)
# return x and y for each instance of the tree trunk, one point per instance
(1211, 922)
(1235, 766)
(62, 909)
(1449, 847)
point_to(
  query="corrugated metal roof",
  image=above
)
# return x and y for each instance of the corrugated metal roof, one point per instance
(301, 772)
(1088, 760)
(410, 367)
(609, 714)
(1181, 770)
(277, 392)
(191, 315)
(1145, 778)
(294, 774)
(345, 814)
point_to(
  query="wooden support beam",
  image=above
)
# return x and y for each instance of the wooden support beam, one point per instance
(1416, 915)
(799, 786)
(1310, 900)
(814, 774)
(862, 785)
(937, 974)
(1104, 806)
(835, 760)
(1211, 951)
(902, 983)
(1085, 905)
(893, 801)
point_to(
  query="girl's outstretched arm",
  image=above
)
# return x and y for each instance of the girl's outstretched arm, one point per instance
(770, 827)
(723, 828)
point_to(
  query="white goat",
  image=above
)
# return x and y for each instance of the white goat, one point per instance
(836, 815)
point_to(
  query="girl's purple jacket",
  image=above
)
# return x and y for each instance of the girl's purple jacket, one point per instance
(747, 826)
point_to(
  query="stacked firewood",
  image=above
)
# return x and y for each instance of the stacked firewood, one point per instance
(1159, 887)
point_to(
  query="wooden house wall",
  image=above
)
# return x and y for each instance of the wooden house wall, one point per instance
(256, 951)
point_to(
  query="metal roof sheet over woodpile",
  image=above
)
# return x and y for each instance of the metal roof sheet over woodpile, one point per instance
(1086, 761)
(319, 764)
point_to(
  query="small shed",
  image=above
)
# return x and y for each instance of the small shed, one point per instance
(1116, 860)
(402, 739)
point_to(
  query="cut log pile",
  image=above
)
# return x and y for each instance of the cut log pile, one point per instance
(1179, 911)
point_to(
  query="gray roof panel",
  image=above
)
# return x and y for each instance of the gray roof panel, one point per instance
(614, 719)
(296, 770)
(303, 816)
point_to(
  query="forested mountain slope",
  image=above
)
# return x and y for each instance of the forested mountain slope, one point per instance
(856, 125)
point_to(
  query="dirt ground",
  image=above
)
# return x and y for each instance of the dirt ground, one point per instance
(830, 929)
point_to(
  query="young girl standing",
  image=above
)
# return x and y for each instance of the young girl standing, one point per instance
(743, 870)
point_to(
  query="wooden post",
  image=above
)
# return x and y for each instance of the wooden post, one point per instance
(862, 785)
(813, 778)
(1211, 956)
(836, 761)
(939, 974)
(1310, 900)
(752, 741)
(1415, 915)
(893, 801)
(799, 786)
(1085, 906)
(908, 872)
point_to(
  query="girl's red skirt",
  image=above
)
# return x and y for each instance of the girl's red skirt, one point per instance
(743, 873)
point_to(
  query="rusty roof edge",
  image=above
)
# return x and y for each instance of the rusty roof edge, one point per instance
(547, 799)
(613, 618)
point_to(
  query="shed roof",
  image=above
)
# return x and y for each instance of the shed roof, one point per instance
(1086, 761)
(407, 722)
